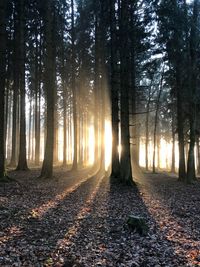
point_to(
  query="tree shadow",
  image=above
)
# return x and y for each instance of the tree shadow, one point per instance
(88, 228)
(172, 205)
(37, 238)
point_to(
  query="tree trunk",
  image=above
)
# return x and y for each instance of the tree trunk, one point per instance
(173, 145)
(147, 130)
(115, 166)
(37, 99)
(182, 171)
(198, 154)
(30, 129)
(2, 83)
(47, 167)
(125, 161)
(193, 84)
(156, 123)
(96, 86)
(22, 161)
(74, 95)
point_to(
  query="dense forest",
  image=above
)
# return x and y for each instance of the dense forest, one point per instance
(72, 71)
(107, 89)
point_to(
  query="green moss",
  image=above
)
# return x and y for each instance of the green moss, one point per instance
(138, 224)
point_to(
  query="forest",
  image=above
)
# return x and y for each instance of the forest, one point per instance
(99, 133)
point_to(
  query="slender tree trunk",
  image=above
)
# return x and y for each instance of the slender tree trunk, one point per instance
(73, 84)
(173, 145)
(96, 86)
(38, 127)
(135, 126)
(37, 101)
(15, 87)
(193, 84)
(182, 171)
(64, 89)
(22, 161)
(198, 154)
(102, 89)
(64, 127)
(2, 83)
(102, 81)
(30, 130)
(115, 166)
(147, 131)
(14, 119)
(55, 153)
(7, 115)
(158, 148)
(47, 167)
(156, 124)
(125, 161)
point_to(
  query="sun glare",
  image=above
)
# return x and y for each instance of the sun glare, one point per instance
(165, 154)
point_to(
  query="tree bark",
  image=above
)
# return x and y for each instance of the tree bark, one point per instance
(74, 95)
(125, 161)
(156, 123)
(191, 175)
(2, 84)
(115, 166)
(47, 167)
(22, 161)
(173, 143)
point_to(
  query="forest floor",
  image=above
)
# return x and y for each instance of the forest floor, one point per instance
(80, 220)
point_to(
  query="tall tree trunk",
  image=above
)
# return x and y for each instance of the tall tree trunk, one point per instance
(180, 127)
(73, 84)
(156, 123)
(147, 129)
(115, 166)
(22, 161)
(135, 129)
(47, 167)
(2, 83)
(37, 100)
(198, 154)
(15, 88)
(193, 84)
(97, 84)
(55, 153)
(38, 130)
(14, 115)
(125, 161)
(158, 147)
(102, 80)
(173, 143)
(30, 129)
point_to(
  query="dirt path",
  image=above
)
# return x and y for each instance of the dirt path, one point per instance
(80, 220)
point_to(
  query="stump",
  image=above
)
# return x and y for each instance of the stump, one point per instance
(138, 224)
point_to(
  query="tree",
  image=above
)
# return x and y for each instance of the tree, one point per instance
(168, 12)
(22, 161)
(193, 46)
(156, 122)
(114, 92)
(125, 160)
(73, 86)
(47, 167)
(2, 83)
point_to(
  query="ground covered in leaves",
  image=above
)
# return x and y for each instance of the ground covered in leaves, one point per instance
(79, 219)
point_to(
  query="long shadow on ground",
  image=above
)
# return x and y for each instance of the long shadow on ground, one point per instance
(88, 228)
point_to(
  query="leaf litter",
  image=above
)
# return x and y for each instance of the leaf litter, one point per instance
(86, 227)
